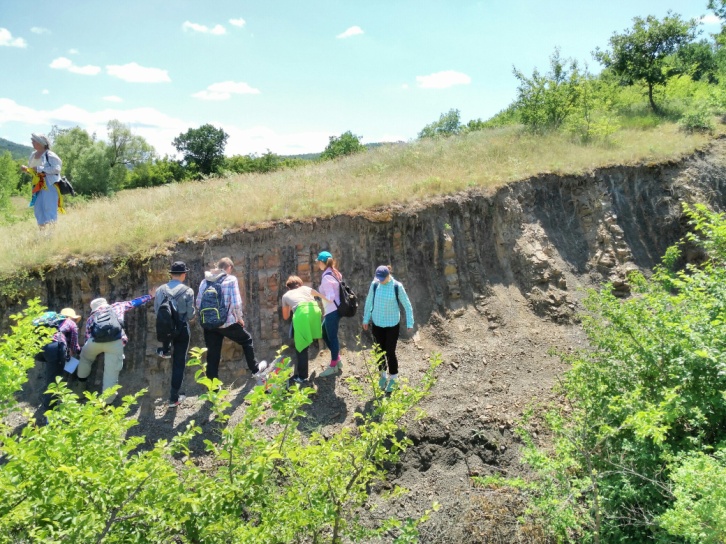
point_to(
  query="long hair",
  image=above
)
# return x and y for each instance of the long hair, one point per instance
(330, 263)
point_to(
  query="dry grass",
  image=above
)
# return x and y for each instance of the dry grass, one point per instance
(144, 221)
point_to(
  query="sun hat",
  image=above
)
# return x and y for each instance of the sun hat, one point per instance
(179, 267)
(96, 303)
(70, 312)
(41, 139)
(382, 272)
(323, 256)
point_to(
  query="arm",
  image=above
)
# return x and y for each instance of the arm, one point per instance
(403, 296)
(368, 308)
(318, 295)
(235, 300)
(285, 311)
(52, 164)
(202, 287)
(75, 348)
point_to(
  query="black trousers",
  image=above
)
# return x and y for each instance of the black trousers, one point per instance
(302, 358)
(213, 340)
(179, 350)
(387, 338)
(54, 356)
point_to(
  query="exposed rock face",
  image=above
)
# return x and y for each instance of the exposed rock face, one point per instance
(547, 236)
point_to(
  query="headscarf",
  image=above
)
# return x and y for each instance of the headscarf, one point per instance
(41, 139)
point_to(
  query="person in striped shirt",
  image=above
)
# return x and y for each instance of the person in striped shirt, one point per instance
(234, 327)
(382, 311)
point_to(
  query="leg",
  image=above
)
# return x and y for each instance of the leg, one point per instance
(237, 333)
(301, 369)
(213, 340)
(113, 363)
(389, 347)
(89, 352)
(330, 334)
(379, 333)
(53, 369)
(178, 362)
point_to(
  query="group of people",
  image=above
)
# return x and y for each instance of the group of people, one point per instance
(219, 308)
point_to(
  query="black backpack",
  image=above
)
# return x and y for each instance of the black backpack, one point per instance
(348, 299)
(168, 324)
(213, 310)
(105, 326)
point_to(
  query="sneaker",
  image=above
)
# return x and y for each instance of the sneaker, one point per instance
(391, 386)
(297, 380)
(332, 370)
(383, 381)
(160, 352)
(174, 404)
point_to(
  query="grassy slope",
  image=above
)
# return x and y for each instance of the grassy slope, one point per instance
(142, 221)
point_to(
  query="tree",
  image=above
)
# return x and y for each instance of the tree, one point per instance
(69, 144)
(449, 124)
(642, 53)
(340, 146)
(153, 173)
(93, 175)
(9, 178)
(544, 101)
(203, 147)
(125, 148)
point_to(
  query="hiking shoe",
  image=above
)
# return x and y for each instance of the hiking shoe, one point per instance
(297, 380)
(332, 370)
(383, 381)
(160, 352)
(391, 386)
(175, 403)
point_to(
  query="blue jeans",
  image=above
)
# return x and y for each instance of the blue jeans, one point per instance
(330, 334)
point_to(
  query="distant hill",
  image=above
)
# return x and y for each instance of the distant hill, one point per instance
(315, 156)
(18, 151)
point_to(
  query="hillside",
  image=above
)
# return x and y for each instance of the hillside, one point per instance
(496, 277)
(18, 151)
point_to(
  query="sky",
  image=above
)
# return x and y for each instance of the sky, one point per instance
(285, 75)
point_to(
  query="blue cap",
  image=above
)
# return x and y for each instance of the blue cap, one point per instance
(382, 272)
(323, 256)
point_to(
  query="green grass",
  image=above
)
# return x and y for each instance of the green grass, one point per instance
(146, 221)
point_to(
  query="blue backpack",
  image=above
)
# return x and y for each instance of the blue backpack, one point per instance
(212, 309)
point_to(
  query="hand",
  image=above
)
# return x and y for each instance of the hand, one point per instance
(241, 322)
(152, 292)
(365, 326)
(409, 329)
(24, 168)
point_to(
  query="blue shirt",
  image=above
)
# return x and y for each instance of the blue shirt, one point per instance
(384, 312)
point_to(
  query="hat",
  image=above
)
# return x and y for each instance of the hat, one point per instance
(382, 272)
(96, 303)
(323, 256)
(179, 267)
(41, 139)
(70, 312)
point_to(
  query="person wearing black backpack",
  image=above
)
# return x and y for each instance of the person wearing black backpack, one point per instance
(382, 310)
(330, 289)
(105, 334)
(219, 305)
(174, 308)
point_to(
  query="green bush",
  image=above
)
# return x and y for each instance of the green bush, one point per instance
(697, 120)
(82, 478)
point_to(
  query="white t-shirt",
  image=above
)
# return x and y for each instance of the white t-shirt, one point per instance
(295, 296)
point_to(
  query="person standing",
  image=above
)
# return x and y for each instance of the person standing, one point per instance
(220, 313)
(299, 303)
(183, 300)
(105, 334)
(330, 291)
(46, 168)
(382, 310)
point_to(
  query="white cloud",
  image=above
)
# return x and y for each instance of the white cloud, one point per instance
(225, 90)
(404, 86)
(442, 80)
(711, 19)
(157, 128)
(237, 22)
(45, 91)
(62, 63)
(6, 39)
(352, 31)
(217, 30)
(73, 51)
(39, 30)
(134, 73)
(112, 98)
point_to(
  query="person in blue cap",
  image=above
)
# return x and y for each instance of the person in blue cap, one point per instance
(330, 289)
(382, 310)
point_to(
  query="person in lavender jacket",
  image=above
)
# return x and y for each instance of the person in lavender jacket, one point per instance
(113, 351)
(330, 289)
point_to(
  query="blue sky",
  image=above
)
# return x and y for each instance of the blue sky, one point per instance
(285, 75)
